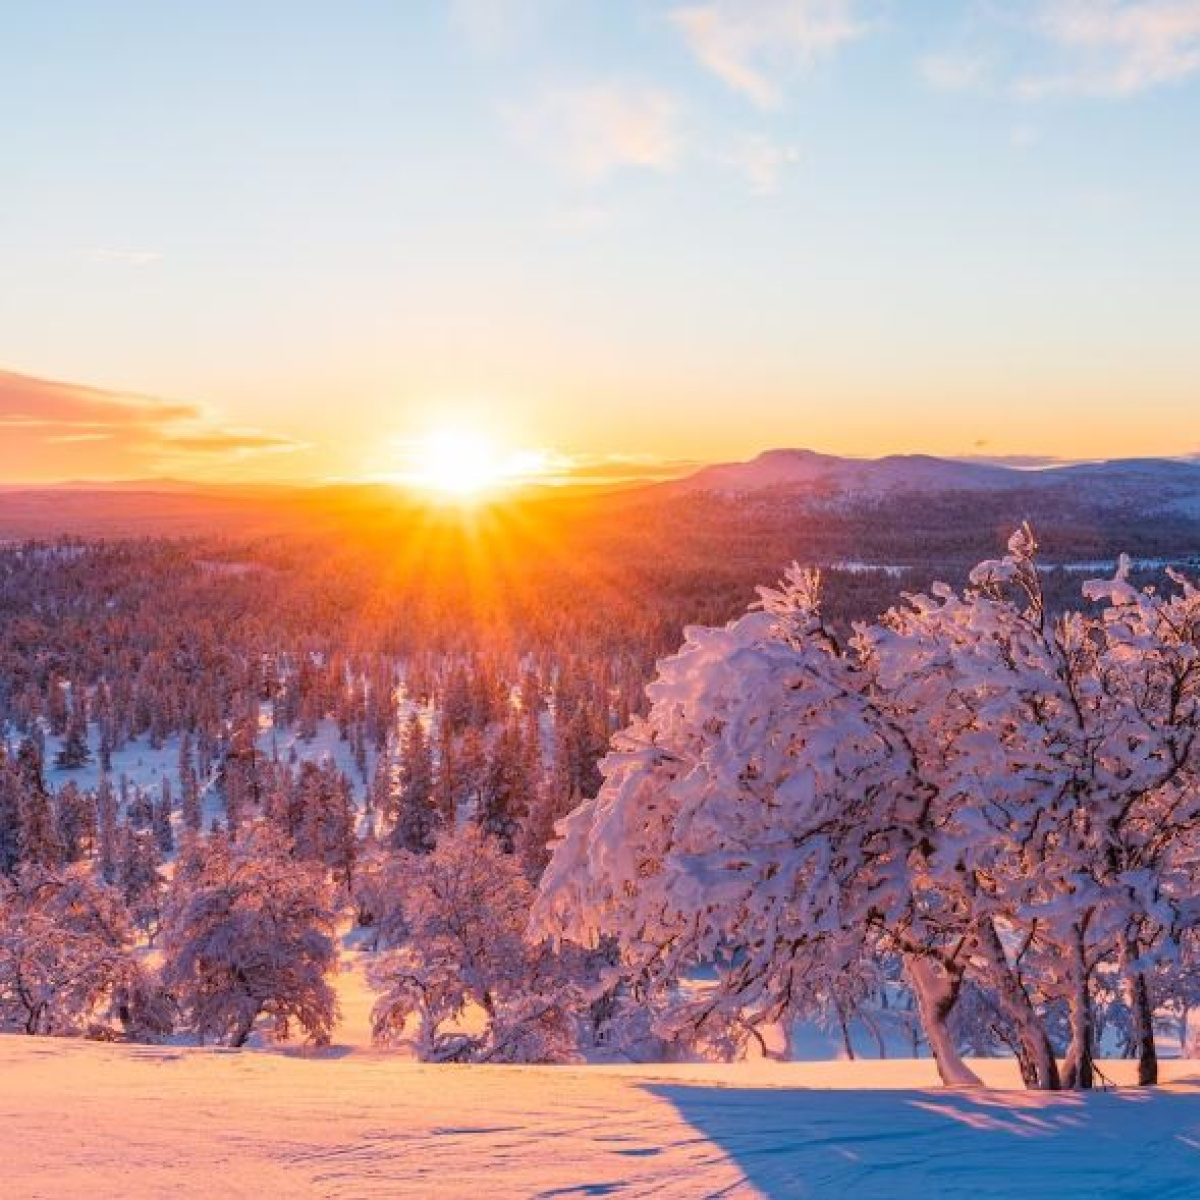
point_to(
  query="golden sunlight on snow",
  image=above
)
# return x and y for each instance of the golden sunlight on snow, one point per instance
(150, 1121)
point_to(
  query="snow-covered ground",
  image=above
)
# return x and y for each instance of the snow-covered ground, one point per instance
(84, 1119)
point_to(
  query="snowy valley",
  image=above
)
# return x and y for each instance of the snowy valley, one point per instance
(384, 873)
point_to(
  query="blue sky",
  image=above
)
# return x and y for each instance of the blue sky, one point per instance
(288, 238)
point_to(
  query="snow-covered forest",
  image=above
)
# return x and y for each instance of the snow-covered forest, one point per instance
(968, 828)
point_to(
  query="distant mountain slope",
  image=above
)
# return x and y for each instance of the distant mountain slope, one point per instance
(1155, 481)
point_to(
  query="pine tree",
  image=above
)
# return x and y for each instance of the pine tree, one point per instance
(38, 844)
(163, 832)
(74, 752)
(189, 787)
(11, 793)
(445, 779)
(381, 795)
(37, 838)
(322, 819)
(138, 877)
(508, 786)
(416, 817)
(106, 830)
(75, 821)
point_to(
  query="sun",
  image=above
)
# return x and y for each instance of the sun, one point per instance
(459, 463)
(464, 464)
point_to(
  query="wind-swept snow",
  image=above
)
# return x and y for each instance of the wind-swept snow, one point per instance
(84, 1119)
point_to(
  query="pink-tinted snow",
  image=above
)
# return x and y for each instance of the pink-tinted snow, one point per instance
(96, 1121)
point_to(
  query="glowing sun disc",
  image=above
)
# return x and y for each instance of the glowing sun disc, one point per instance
(459, 462)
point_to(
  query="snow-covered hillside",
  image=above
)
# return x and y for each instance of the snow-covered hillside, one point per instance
(862, 476)
(1145, 483)
(159, 1121)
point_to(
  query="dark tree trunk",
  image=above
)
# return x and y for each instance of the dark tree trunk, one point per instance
(1143, 1030)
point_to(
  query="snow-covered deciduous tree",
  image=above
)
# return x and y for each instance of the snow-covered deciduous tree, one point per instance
(1003, 801)
(65, 951)
(248, 931)
(463, 984)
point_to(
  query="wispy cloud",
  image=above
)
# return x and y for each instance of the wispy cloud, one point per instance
(753, 45)
(604, 469)
(70, 439)
(43, 403)
(761, 161)
(1116, 47)
(51, 429)
(133, 258)
(239, 442)
(591, 131)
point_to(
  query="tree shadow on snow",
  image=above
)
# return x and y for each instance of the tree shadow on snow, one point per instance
(891, 1144)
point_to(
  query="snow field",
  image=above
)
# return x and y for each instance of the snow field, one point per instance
(81, 1119)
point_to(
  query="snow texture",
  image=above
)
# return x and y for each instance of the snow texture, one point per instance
(164, 1121)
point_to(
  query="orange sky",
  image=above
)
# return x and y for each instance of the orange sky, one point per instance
(52, 431)
(243, 242)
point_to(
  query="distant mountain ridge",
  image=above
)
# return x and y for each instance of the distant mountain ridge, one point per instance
(807, 471)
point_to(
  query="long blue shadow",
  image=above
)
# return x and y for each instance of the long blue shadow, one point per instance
(895, 1145)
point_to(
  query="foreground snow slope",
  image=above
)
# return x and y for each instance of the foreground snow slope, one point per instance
(79, 1119)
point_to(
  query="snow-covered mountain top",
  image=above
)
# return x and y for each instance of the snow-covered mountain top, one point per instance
(807, 470)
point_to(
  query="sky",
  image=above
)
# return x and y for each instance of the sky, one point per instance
(289, 240)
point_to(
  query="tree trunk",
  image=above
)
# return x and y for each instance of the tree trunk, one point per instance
(1039, 1068)
(847, 1044)
(244, 1029)
(937, 991)
(1079, 1070)
(1142, 1015)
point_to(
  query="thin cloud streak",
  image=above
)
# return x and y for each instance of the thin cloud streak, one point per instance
(1116, 49)
(134, 258)
(753, 45)
(55, 429)
(590, 132)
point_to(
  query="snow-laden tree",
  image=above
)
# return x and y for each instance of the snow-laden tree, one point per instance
(461, 982)
(248, 931)
(65, 951)
(321, 819)
(765, 818)
(139, 878)
(1066, 756)
(416, 818)
(1000, 800)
